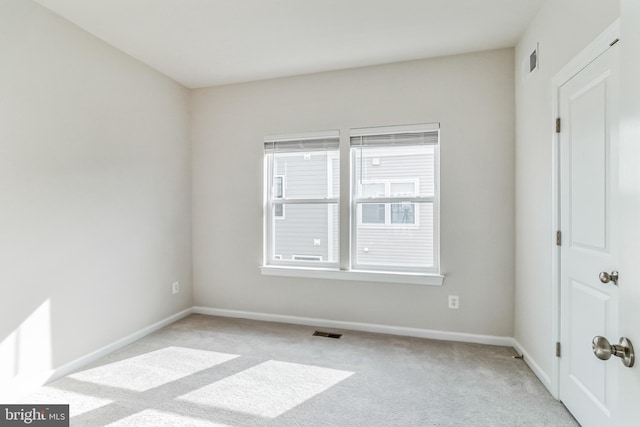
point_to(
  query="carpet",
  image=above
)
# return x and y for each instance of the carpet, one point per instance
(213, 371)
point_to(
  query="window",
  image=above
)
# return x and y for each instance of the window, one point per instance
(373, 213)
(303, 174)
(391, 200)
(394, 199)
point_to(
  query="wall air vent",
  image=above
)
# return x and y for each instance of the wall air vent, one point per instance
(533, 60)
(326, 334)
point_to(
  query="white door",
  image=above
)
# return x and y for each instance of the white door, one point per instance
(629, 384)
(588, 141)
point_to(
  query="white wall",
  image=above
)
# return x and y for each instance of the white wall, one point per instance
(562, 28)
(94, 193)
(470, 95)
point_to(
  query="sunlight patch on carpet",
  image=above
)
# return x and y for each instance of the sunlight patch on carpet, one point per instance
(154, 418)
(268, 389)
(78, 403)
(150, 370)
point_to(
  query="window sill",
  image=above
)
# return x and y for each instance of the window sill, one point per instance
(431, 279)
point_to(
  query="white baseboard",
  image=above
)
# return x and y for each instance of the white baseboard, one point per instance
(92, 357)
(544, 378)
(356, 326)
(21, 386)
(30, 384)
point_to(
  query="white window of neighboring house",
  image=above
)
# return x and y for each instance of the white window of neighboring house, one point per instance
(302, 179)
(389, 214)
(278, 193)
(394, 194)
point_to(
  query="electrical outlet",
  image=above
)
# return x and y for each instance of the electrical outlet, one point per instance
(175, 287)
(454, 302)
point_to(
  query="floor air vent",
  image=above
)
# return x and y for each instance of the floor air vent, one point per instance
(326, 334)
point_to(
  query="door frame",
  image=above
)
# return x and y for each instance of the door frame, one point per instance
(596, 48)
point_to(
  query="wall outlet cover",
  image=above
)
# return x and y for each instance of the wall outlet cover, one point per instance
(454, 302)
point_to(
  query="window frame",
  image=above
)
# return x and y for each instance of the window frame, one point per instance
(269, 259)
(346, 267)
(417, 200)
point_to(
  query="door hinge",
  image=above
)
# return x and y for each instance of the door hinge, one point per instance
(558, 349)
(614, 42)
(558, 125)
(559, 238)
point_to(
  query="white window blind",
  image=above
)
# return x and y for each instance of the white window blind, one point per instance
(323, 144)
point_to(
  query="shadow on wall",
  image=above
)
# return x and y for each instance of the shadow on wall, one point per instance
(26, 354)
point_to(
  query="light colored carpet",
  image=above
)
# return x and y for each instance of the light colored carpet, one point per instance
(212, 371)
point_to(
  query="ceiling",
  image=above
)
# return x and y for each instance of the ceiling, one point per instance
(203, 43)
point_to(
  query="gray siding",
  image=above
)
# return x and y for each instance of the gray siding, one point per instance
(304, 178)
(399, 167)
(396, 244)
(302, 224)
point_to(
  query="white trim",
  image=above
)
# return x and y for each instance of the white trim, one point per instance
(417, 199)
(330, 239)
(358, 326)
(20, 387)
(358, 275)
(268, 248)
(304, 201)
(388, 130)
(302, 136)
(436, 209)
(535, 367)
(83, 361)
(596, 48)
